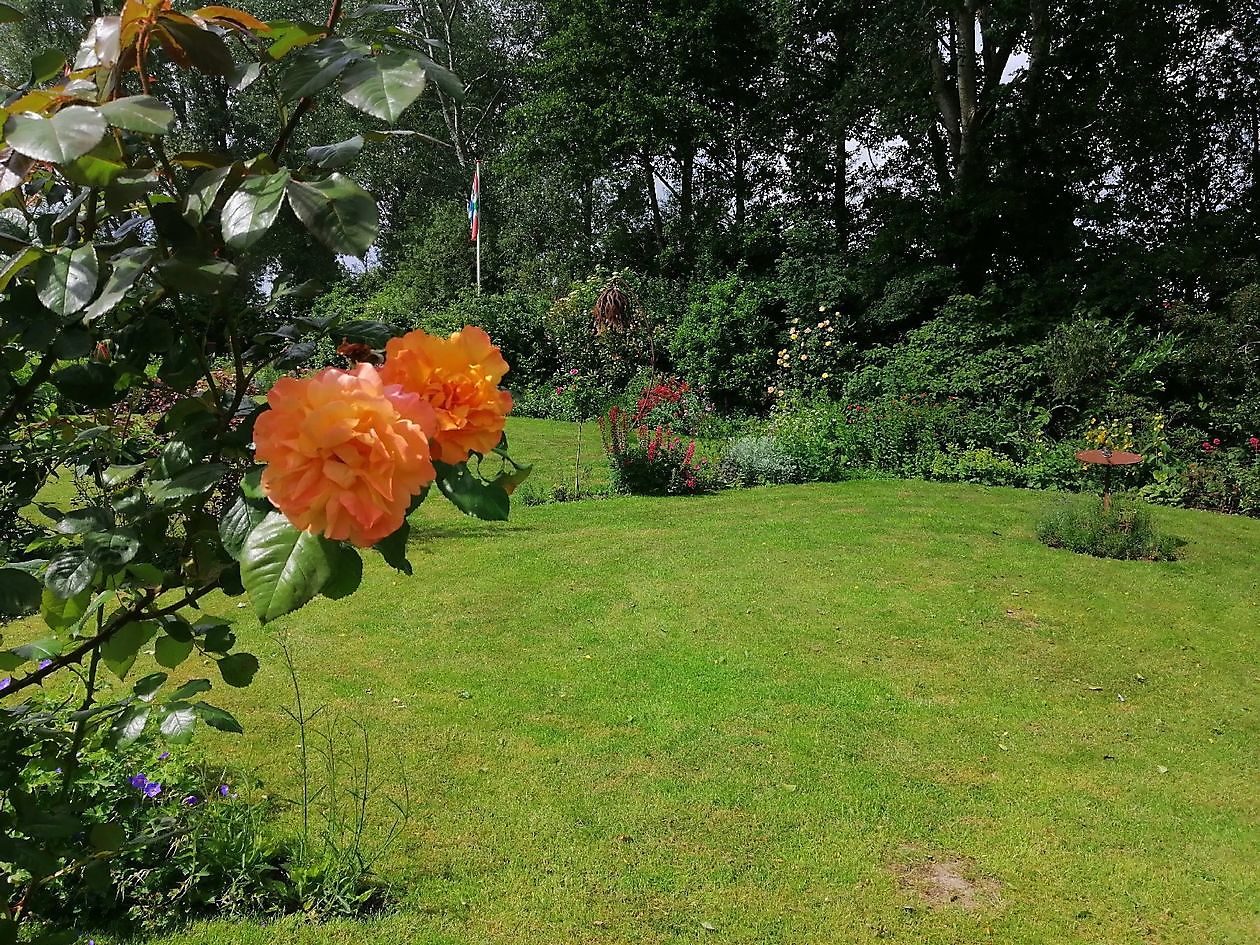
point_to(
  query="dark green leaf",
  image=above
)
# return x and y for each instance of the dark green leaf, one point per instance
(100, 167)
(146, 575)
(47, 65)
(329, 157)
(205, 276)
(117, 475)
(237, 522)
(66, 279)
(283, 568)
(147, 687)
(249, 213)
(337, 211)
(471, 495)
(205, 190)
(128, 266)
(20, 593)
(218, 718)
(393, 549)
(347, 573)
(120, 651)
(44, 649)
(129, 726)
(92, 384)
(191, 482)
(194, 687)
(70, 573)
(142, 113)
(384, 85)
(176, 457)
(296, 355)
(371, 333)
(16, 263)
(62, 614)
(63, 137)
(170, 652)
(107, 837)
(444, 78)
(112, 549)
(10, 14)
(317, 67)
(238, 669)
(81, 521)
(177, 723)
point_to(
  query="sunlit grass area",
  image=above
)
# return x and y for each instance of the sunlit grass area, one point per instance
(758, 716)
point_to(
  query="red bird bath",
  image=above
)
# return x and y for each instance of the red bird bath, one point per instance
(1108, 458)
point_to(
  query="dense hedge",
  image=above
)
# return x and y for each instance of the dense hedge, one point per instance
(911, 379)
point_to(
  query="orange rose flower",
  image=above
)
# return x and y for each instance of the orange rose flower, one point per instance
(460, 377)
(345, 453)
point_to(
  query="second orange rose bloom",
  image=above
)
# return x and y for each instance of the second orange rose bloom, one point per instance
(459, 377)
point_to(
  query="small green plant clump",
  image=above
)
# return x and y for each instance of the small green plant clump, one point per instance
(1126, 530)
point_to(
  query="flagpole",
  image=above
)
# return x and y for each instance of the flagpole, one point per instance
(478, 173)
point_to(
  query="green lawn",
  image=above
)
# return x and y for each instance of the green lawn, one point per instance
(553, 448)
(745, 718)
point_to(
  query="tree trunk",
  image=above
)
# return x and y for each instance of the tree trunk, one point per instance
(649, 175)
(687, 166)
(588, 220)
(840, 191)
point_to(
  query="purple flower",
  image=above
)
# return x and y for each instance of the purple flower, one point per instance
(152, 789)
(139, 781)
(192, 800)
(164, 756)
(223, 790)
(44, 663)
(4, 683)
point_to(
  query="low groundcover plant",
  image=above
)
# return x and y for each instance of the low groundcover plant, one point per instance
(1124, 530)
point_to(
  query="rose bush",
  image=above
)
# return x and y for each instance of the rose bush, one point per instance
(141, 311)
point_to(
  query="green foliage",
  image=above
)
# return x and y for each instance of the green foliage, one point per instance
(981, 466)
(1126, 530)
(1221, 479)
(144, 839)
(125, 836)
(963, 353)
(724, 342)
(908, 300)
(1090, 360)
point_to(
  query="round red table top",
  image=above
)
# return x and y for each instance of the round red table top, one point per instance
(1116, 458)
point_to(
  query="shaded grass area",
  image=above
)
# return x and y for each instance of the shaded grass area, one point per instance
(745, 718)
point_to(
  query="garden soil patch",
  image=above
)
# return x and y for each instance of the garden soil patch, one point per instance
(947, 882)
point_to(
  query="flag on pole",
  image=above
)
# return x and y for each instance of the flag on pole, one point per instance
(474, 205)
